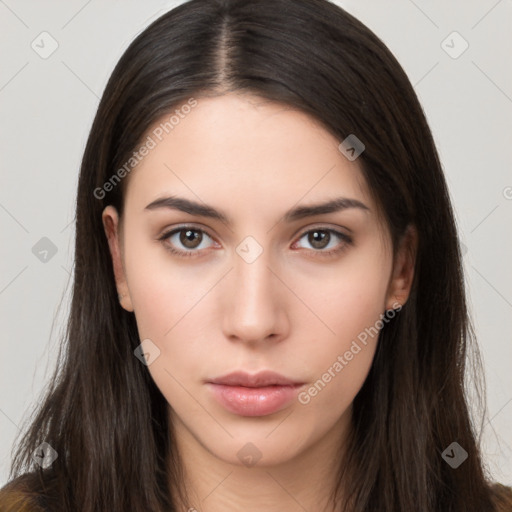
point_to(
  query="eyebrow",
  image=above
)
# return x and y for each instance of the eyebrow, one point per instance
(297, 213)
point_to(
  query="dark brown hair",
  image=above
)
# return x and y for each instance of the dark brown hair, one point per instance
(102, 412)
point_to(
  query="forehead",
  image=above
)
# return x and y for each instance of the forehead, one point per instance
(242, 149)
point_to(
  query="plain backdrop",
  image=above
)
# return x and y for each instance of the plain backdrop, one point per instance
(457, 56)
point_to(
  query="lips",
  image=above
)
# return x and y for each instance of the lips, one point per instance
(256, 380)
(257, 394)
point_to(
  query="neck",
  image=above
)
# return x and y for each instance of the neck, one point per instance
(216, 484)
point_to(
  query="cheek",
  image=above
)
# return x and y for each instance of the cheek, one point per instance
(168, 301)
(340, 370)
(340, 362)
(351, 307)
(162, 292)
(347, 298)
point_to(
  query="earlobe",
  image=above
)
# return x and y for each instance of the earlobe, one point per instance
(111, 224)
(403, 269)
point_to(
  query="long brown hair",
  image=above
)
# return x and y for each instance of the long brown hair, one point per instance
(102, 412)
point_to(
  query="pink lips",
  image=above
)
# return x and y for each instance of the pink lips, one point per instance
(257, 394)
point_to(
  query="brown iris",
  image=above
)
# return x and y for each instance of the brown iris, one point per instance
(190, 238)
(318, 238)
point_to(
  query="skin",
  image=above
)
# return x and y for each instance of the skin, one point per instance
(292, 310)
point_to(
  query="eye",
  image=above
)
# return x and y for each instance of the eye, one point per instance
(186, 240)
(189, 241)
(326, 240)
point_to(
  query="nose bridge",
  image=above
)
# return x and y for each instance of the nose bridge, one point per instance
(253, 306)
(252, 278)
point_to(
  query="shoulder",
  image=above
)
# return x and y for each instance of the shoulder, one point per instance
(18, 496)
(502, 497)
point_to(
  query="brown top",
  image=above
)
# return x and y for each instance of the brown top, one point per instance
(502, 498)
(17, 498)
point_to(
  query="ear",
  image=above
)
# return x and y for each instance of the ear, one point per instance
(403, 269)
(111, 225)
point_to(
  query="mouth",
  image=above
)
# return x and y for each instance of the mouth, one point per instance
(257, 394)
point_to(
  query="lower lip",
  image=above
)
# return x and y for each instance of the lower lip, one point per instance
(253, 401)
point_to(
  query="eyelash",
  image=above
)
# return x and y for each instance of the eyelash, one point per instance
(194, 253)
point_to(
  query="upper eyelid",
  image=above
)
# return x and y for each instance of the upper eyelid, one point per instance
(177, 229)
(301, 231)
(322, 227)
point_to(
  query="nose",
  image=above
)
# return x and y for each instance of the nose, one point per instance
(255, 303)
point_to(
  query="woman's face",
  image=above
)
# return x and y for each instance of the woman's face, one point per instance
(254, 281)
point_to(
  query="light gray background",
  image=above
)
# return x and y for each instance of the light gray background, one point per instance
(47, 106)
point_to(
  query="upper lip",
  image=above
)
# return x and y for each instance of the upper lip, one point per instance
(254, 380)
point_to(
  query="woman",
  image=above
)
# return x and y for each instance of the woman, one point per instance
(268, 309)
